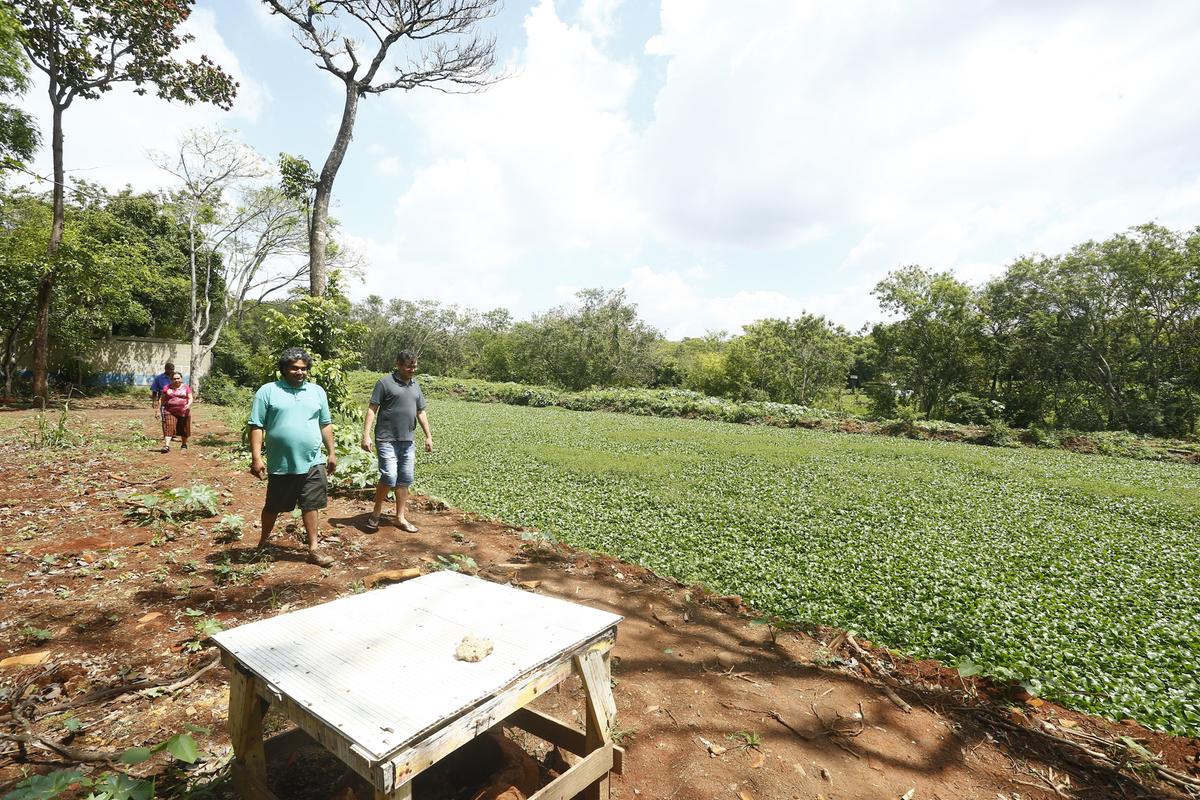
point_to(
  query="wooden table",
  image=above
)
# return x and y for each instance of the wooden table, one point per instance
(374, 679)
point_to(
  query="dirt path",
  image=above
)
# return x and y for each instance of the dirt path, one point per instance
(710, 705)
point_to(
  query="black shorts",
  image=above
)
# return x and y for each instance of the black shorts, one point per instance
(285, 492)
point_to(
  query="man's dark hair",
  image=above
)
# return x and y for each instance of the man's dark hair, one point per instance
(406, 357)
(294, 354)
(169, 367)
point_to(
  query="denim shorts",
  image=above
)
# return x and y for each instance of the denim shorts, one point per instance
(396, 462)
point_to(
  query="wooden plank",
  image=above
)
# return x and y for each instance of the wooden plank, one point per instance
(257, 789)
(597, 682)
(329, 738)
(408, 761)
(419, 757)
(246, 712)
(558, 732)
(588, 773)
(601, 710)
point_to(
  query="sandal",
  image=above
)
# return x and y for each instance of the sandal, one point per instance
(372, 523)
(407, 527)
(319, 558)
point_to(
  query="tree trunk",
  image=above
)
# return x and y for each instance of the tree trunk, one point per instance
(41, 329)
(193, 379)
(317, 278)
(10, 361)
(194, 365)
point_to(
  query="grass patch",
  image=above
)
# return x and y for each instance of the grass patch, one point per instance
(1076, 573)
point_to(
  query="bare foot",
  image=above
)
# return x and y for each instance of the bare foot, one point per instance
(407, 526)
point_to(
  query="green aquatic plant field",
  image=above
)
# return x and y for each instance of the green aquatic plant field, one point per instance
(1077, 574)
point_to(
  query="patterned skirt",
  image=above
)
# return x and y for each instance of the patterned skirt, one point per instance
(177, 426)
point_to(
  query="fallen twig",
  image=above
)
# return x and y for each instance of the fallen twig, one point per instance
(142, 687)
(177, 685)
(808, 737)
(1049, 732)
(66, 751)
(887, 680)
(128, 482)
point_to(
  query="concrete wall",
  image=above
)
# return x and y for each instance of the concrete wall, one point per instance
(135, 361)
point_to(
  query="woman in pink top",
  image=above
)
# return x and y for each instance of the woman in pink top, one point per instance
(175, 407)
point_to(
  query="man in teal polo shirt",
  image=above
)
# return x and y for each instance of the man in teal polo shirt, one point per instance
(292, 415)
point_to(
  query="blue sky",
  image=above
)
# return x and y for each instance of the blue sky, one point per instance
(721, 162)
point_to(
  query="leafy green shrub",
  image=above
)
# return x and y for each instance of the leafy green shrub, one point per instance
(110, 785)
(321, 325)
(174, 505)
(645, 402)
(1040, 436)
(1120, 443)
(966, 407)
(905, 424)
(882, 399)
(56, 435)
(220, 390)
(999, 434)
(1081, 418)
(356, 468)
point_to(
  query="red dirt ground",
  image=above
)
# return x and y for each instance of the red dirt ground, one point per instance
(108, 602)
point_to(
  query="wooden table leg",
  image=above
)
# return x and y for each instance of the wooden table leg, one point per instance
(403, 792)
(601, 711)
(246, 711)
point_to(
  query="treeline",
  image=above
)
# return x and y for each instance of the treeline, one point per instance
(1104, 337)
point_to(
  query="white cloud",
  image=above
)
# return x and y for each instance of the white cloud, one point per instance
(599, 16)
(538, 165)
(942, 130)
(679, 304)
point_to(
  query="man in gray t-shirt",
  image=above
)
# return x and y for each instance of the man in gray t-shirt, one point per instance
(397, 407)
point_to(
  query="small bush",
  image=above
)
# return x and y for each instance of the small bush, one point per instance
(220, 390)
(1040, 436)
(999, 435)
(905, 424)
(966, 407)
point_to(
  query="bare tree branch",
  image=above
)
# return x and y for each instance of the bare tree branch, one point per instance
(385, 26)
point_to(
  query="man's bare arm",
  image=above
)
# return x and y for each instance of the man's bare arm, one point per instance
(369, 426)
(423, 421)
(257, 468)
(331, 454)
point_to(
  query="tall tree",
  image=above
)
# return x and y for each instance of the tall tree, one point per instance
(230, 239)
(86, 47)
(116, 256)
(791, 361)
(18, 133)
(934, 348)
(598, 341)
(445, 50)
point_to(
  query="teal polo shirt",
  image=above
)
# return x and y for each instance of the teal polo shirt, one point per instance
(292, 418)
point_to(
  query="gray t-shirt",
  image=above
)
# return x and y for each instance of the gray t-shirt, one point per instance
(399, 403)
